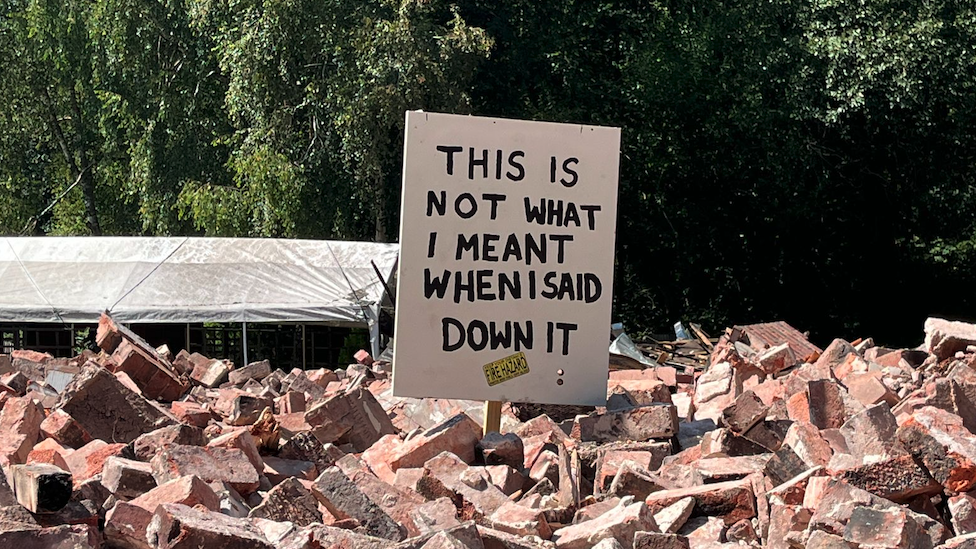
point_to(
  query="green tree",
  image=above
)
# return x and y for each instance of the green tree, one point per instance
(317, 92)
(51, 108)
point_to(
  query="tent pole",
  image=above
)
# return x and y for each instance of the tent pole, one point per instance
(374, 330)
(304, 356)
(244, 326)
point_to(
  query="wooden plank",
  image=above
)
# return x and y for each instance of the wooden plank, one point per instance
(702, 336)
(493, 416)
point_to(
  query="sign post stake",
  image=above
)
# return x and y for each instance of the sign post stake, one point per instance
(493, 416)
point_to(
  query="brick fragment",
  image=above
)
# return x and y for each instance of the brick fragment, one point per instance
(520, 520)
(943, 445)
(242, 440)
(889, 528)
(353, 417)
(107, 335)
(776, 359)
(446, 475)
(742, 532)
(808, 444)
(499, 449)
(150, 444)
(345, 500)
(671, 518)
(962, 510)
(209, 464)
(291, 402)
(191, 413)
(107, 409)
(255, 370)
(49, 456)
(732, 500)
(655, 540)
(507, 479)
(127, 522)
(438, 514)
(943, 337)
(152, 374)
(277, 469)
(721, 469)
(869, 390)
(457, 435)
(656, 421)
(176, 526)
(826, 404)
(620, 523)
(633, 480)
(41, 488)
(609, 462)
(289, 501)
(210, 373)
(73, 536)
(896, 478)
(744, 412)
(126, 478)
(89, 460)
(785, 523)
(20, 423)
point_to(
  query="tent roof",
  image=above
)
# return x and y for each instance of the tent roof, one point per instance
(187, 279)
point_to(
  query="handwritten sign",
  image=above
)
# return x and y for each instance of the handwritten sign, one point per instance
(506, 260)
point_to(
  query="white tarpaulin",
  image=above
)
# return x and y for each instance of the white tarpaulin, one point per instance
(189, 280)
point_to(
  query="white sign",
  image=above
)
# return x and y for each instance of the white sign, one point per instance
(506, 260)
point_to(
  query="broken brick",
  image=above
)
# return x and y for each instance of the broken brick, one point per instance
(176, 526)
(620, 523)
(345, 500)
(41, 488)
(209, 464)
(106, 409)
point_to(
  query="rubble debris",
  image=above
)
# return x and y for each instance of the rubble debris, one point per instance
(757, 438)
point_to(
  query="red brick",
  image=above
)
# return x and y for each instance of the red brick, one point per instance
(777, 358)
(457, 435)
(107, 336)
(353, 417)
(210, 464)
(89, 460)
(655, 421)
(242, 440)
(744, 412)
(64, 429)
(41, 488)
(520, 520)
(191, 413)
(176, 526)
(20, 423)
(153, 375)
(108, 410)
(620, 523)
(732, 501)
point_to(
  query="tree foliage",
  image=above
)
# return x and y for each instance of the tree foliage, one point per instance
(810, 161)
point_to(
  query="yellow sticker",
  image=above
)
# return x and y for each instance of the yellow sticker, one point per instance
(506, 368)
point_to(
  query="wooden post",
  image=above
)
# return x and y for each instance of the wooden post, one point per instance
(493, 416)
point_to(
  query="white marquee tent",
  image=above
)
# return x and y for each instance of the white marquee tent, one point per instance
(192, 280)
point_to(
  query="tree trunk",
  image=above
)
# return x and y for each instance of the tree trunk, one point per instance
(380, 199)
(84, 174)
(87, 175)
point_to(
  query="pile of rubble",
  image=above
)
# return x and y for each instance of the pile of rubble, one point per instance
(776, 444)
